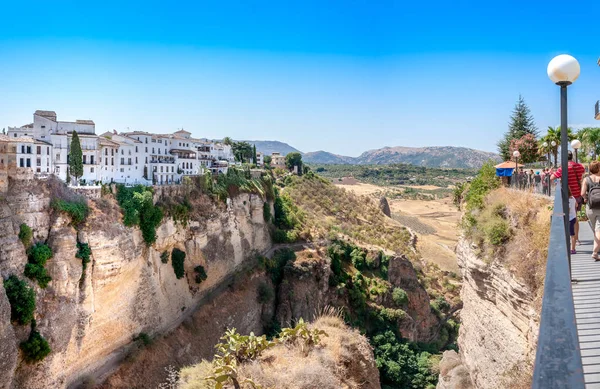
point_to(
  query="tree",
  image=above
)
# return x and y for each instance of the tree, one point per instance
(227, 141)
(527, 147)
(76, 157)
(590, 141)
(294, 159)
(242, 151)
(521, 123)
(254, 161)
(267, 160)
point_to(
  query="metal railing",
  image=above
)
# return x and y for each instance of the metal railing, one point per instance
(535, 183)
(558, 357)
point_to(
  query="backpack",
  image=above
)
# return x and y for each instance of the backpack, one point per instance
(593, 194)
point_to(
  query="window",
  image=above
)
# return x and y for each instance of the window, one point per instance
(146, 148)
(28, 149)
(112, 151)
(136, 149)
(112, 161)
(165, 151)
(122, 161)
(105, 151)
(91, 170)
(39, 149)
(57, 169)
(57, 157)
(38, 170)
(43, 126)
(28, 161)
(122, 152)
(146, 142)
(129, 161)
(48, 150)
(122, 170)
(22, 149)
(84, 159)
(136, 160)
(15, 135)
(38, 162)
(22, 163)
(146, 159)
(91, 159)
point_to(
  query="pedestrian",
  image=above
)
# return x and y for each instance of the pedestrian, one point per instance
(531, 178)
(572, 220)
(591, 194)
(575, 172)
(537, 180)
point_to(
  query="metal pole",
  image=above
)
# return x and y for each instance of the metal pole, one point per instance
(564, 178)
(576, 161)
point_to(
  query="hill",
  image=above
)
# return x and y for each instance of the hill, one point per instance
(268, 147)
(326, 157)
(444, 156)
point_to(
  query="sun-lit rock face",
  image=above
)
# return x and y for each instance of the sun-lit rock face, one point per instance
(499, 327)
(90, 317)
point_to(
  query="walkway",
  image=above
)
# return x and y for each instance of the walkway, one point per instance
(586, 296)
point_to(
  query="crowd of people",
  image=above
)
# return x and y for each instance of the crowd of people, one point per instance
(539, 181)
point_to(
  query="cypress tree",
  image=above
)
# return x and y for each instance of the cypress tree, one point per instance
(254, 154)
(521, 123)
(76, 157)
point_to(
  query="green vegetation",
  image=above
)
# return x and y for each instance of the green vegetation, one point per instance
(177, 259)
(274, 265)
(83, 252)
(294, 159)
(76, 209)
(164, 257)
(242, 151)
(267, 212)
(400, 297)
(200, 274)
(144, 338)
(36, 348)
(25, 234)
(139, 210)
(75, 157)
(265, 293)
(521, 124)
(21, 298)
(38, 255)
(395, 174)
(287, 220)
(240, 181)
(179, 211)
(485, 182)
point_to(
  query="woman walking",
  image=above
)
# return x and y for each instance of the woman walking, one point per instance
(590, 189)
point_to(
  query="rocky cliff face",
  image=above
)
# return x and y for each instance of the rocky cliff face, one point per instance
(499, 328)
(90, 317)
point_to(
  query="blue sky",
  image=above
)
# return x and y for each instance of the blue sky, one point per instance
(342, 76)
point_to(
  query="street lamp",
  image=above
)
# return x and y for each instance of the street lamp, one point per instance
(516, 154)
(545, 146)
(563, 70)
(553, 143)
(576, 144)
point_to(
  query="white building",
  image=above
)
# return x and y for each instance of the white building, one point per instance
(134, 157)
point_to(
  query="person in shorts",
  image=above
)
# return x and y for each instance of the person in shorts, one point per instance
(575, 173)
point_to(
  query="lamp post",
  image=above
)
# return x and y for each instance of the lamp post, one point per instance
(576, 144)
(553, 143)
(516, 154)
(563, 70)
(545, 146)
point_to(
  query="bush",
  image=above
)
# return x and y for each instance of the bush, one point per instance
(400, 297)
(485, 181)
(177, 259)
(265, 293)
(38, 255)
(21, 298)
(274, 265)
(358, 258)
(164, 257)
(83, 252)
(144, 338)
(200, 274)
(36, 348)
(139, 210)
(25, 234)
(497, 232)
(77, 210)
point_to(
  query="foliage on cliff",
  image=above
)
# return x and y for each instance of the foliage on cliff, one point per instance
(326, 354)
(139, 210)
(21, 298)
(332, 210)
(507, 226)
(38, 255)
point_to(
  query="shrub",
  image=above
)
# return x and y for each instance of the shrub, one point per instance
(274, 265)
(139, 210)
(83, 252)
(485, 181)
(177, 259)
(164, 257)
(38, 256)
(144, 338)
(200, 274)
(77, 210)
(497, 232)
(25, 234)
(265, 293)
(400, 297)
(36, 348)
(21, 298)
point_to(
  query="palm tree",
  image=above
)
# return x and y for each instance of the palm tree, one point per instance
(590, 140)
(554, 134)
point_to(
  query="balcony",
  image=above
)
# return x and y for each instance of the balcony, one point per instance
(597, 110)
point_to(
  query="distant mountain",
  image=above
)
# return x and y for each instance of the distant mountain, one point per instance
(268, 147)
(436, 156)
(326, 157)
(444, 156)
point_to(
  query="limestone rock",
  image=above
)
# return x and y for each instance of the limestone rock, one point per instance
(8, 345)
(385, 207)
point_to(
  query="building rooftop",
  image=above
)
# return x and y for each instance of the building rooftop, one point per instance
(79, 121)
(46, 114)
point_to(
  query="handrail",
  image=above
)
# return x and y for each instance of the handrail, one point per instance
(558, 356)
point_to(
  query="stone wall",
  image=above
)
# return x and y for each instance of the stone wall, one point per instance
(90, 319)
